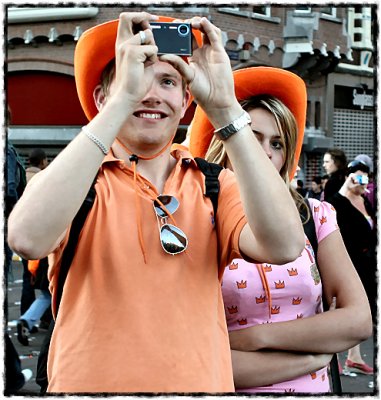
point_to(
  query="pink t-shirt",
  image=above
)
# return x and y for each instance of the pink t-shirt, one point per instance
(295, 292)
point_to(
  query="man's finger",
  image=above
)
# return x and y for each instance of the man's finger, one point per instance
(210, 31)
(128, 22)
(180, 65)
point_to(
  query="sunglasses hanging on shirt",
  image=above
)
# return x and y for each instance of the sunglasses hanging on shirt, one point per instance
(173, 240)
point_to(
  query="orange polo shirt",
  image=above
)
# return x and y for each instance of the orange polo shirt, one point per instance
(127, 326)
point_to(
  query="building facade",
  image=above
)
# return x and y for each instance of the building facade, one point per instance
(331, 48)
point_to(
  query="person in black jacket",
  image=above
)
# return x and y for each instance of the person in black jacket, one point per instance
(334, 163)
(356, 220)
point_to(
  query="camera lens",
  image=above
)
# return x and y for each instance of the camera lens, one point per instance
(183, 30)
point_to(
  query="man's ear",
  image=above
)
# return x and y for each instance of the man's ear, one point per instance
(186, 100)
(99, 97)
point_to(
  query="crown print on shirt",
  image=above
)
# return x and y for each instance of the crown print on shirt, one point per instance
(260, 299)
(323, 220)
(299, 316)
(313, 375)
(297, 301)
(275, 310)
(242, 284)
(233, 266)
(316, 209)
(242, 321)
(233, 309)
(279, 285)
(292, 272)
(267, 268)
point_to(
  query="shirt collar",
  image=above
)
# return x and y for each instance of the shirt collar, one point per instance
(178, 151)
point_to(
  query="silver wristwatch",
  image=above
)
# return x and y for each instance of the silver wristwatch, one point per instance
(235, 126)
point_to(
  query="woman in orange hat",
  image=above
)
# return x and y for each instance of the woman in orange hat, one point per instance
(280, 338)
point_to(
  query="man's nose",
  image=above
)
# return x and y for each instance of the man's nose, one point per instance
(152, 95)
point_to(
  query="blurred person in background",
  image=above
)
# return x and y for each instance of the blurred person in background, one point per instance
(15, 377)
(300, 188)
(324, 180)
(334, 163)
(35, 275)
(370, 192)
(356, 220)
(316, 189)
(37, 162)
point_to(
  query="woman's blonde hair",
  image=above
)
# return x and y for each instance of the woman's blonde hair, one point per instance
(288, 129)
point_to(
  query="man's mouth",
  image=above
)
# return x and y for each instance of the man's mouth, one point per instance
(149, 115)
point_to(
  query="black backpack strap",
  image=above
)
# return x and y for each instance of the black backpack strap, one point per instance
(67, 258)
(212, 184)
(310, 231)
(75, 230)
(309, 227)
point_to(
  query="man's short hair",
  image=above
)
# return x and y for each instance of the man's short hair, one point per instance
(108, 75)
(36, 156)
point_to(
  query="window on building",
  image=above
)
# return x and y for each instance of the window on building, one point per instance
(357, 37)
(262, 10)
(303, 9)
(232, 8)
(317, 114)
(331, 11)
(308, 119)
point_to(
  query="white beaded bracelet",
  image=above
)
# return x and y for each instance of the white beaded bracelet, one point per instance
(96, 140)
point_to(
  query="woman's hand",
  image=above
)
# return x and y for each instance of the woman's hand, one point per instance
(274, 366)
(248, 339)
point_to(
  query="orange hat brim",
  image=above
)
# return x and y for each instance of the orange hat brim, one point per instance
(254, 81)
(94, 50)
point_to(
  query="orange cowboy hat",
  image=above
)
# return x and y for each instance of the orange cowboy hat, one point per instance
(248, 82)
(94, 50)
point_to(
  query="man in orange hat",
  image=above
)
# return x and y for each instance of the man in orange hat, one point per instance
(141, 310)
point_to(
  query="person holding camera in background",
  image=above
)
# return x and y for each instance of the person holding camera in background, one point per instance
(356, 220)
(132, 317)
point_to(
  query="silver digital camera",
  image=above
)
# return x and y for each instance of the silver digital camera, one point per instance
(173, 37)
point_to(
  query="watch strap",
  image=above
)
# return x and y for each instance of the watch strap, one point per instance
(236, 125)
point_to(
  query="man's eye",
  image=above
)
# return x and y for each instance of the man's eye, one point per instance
(169, 82)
